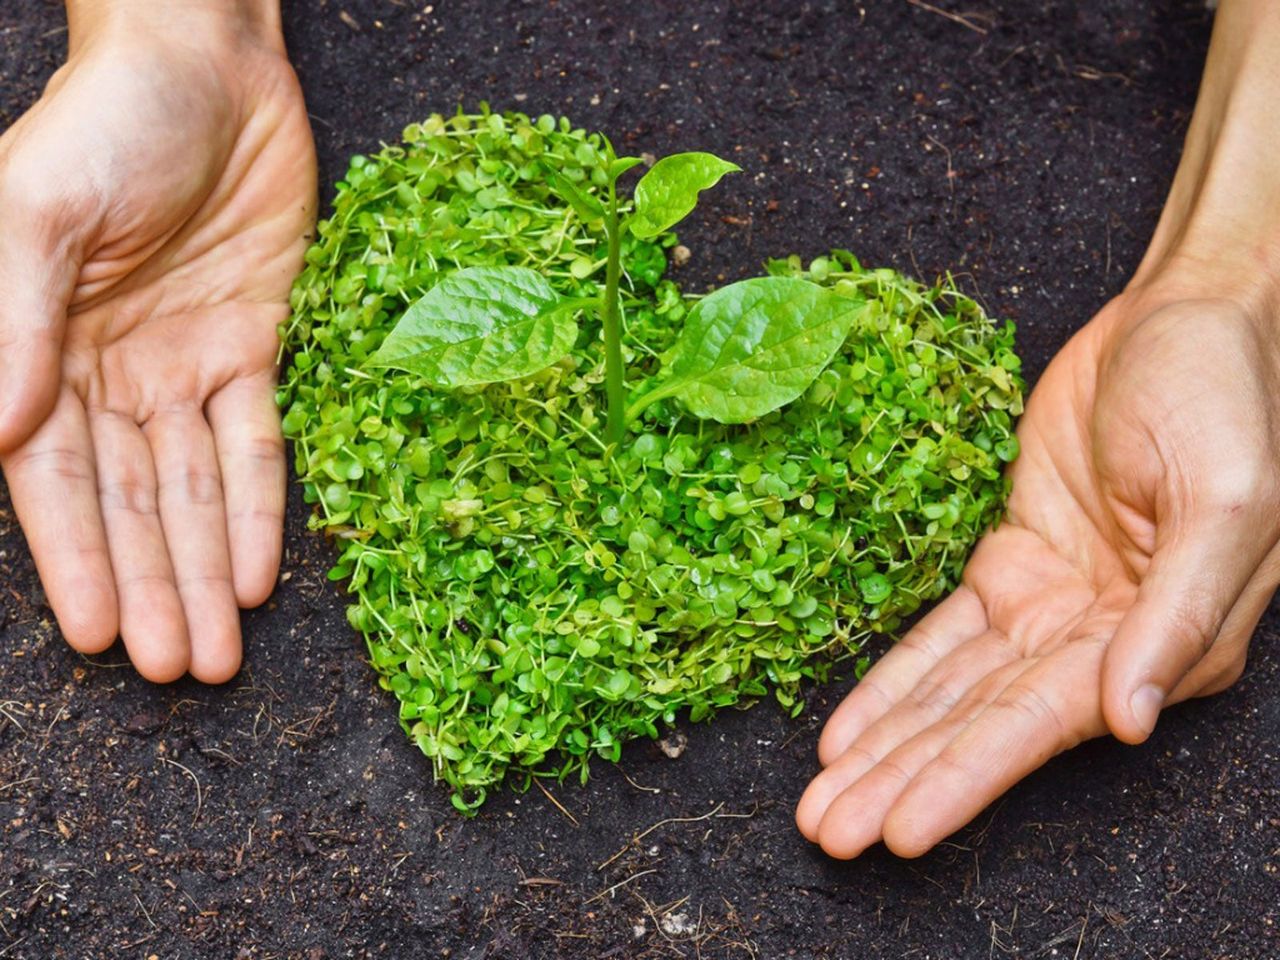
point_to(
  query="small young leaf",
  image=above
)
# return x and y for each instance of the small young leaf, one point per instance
(669, 191)
(620, 165)
(482, 325)
(584, 204)
(753, 346)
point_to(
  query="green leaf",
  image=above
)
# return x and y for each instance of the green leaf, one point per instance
(875, 589)
(482, 325)
(584, 204)
(620, 165)
(669, 191)
(753, 346)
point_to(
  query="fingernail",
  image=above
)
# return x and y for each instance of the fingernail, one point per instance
(1146, 704)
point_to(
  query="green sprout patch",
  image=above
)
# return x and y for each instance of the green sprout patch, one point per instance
(571, 501)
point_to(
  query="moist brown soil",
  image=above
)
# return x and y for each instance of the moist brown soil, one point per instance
(285, 815)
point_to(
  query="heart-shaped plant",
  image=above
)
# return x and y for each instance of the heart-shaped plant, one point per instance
(571, 506)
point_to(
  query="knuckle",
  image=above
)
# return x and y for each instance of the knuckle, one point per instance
(263, 449)
(200, 488)
(857, 753)
(203, 581)
(1193, 627)
(1224, 676)
(254, 521)
(921, 641)
(1031, 704)
(30, 199)
(950, 760)
(129, 496)
(872, 688)
(932, 696)
(59, 463)
(1241, 488)
(894, 770)
(136, 580)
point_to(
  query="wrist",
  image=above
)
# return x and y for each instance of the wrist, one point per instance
(1219, 233)
(219, 23)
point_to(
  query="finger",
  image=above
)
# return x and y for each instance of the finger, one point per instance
(854, 819)
(1223, 665)
(151, 618)
(195, 530)
(54, 487)
(1193, 583)
(250, 448)
(38, 269)
(956, 619)
(1049, 708)
(938, 693)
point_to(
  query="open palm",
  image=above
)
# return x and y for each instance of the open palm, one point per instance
(1138, 554)
(156, 204)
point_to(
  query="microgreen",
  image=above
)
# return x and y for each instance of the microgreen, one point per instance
(533, 593)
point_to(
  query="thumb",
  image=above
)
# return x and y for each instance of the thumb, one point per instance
(37, 278)
(1190, 588)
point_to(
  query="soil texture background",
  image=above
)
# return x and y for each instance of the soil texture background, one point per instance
(1026, 146)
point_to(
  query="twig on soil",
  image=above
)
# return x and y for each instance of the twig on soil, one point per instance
(621, 883)
(953, 17)
(658, 913)
(135, 943)
(48, 731)
(220, 754)
(1086, 72)
(1051, 945)
(97, 664)
(951, 173)
(194, 779)
(713, 812)
(1008, 931)
(638, 786)
(1083, 927)
(558, 805)
(7, 710)
(305, 728)
(145, 912)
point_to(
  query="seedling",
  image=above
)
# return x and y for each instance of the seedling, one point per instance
(592, 503)
(744, 351)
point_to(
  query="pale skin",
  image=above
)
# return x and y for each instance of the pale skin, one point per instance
(146, 271)
(156, 203)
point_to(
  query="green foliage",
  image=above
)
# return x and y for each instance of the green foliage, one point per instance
(751, 347)
(482, 325)
(669, 191)
(533, 601)
(588, 207)
(745, 350)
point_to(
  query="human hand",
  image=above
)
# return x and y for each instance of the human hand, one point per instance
(1140, 547)
(1139, 552)
(156, 203)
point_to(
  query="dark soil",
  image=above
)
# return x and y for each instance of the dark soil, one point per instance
(285, 815)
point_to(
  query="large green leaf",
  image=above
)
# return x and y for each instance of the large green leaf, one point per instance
(669, 191)
(482, 325)
(753, 346)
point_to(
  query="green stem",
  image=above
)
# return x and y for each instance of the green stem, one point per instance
(659, 393)
(615, 388)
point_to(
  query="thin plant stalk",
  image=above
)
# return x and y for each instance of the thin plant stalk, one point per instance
(611, 320)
